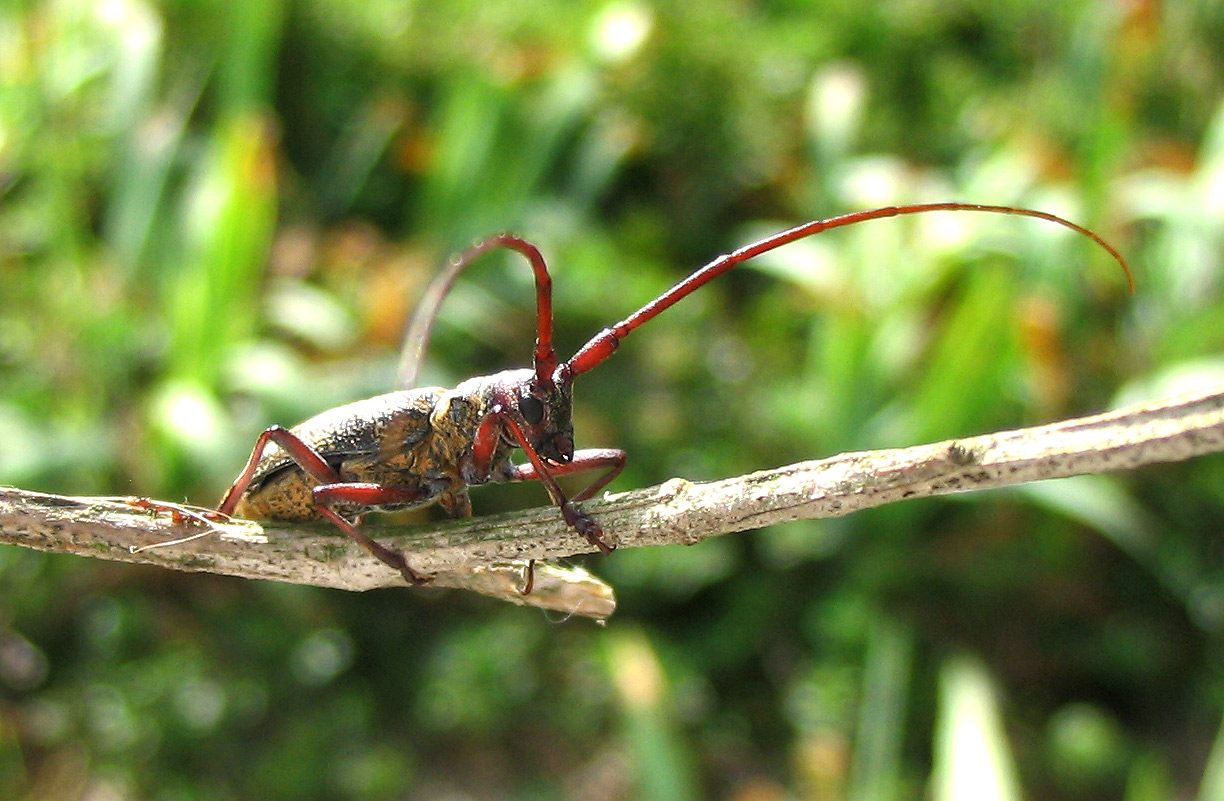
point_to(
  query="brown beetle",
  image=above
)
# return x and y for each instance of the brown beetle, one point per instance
(420, 446)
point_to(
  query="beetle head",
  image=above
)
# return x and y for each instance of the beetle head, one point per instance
(545, 413)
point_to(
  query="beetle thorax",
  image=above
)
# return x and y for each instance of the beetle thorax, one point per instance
(541, 412)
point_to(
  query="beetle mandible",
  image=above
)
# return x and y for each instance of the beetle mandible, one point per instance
(415, 447)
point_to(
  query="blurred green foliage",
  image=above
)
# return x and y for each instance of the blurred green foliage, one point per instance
(214, 216)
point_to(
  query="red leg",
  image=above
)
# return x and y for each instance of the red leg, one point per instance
(574, 517)
(332, 489)
(584, 460)
(305, 456)
(361, 494)
(528, 578)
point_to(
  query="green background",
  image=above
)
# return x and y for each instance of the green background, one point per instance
(215, 216)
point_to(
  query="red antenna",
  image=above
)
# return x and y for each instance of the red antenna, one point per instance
(605, 343)
(416, 337)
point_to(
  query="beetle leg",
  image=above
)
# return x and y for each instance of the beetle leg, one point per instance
(528, 578)
(459, 504)
(305, 456)
(574, 517)
(365, 494)
(484, 443)
(587, 459)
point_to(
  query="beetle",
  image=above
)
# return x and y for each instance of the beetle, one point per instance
(415, 447)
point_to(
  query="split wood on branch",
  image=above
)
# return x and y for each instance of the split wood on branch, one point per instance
(486, 554)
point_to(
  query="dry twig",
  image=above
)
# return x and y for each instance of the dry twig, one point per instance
(486, 554)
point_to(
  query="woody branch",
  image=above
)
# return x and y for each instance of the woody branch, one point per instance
(485, 554)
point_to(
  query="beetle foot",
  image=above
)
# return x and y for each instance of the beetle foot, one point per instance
(396, 560)
(414, 578)
(528, 578)
(587, 528)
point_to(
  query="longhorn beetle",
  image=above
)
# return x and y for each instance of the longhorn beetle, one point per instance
(414, 447)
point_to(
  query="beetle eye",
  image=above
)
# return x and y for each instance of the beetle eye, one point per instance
(532, 409)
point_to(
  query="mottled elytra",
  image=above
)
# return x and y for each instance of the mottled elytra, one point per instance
(428, 445)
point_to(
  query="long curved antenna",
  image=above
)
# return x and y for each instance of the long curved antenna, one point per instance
(605, 343)
(420, 325)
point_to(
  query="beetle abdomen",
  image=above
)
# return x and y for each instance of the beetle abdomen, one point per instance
(385, 440)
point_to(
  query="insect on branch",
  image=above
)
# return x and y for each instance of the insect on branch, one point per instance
(486, 554)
